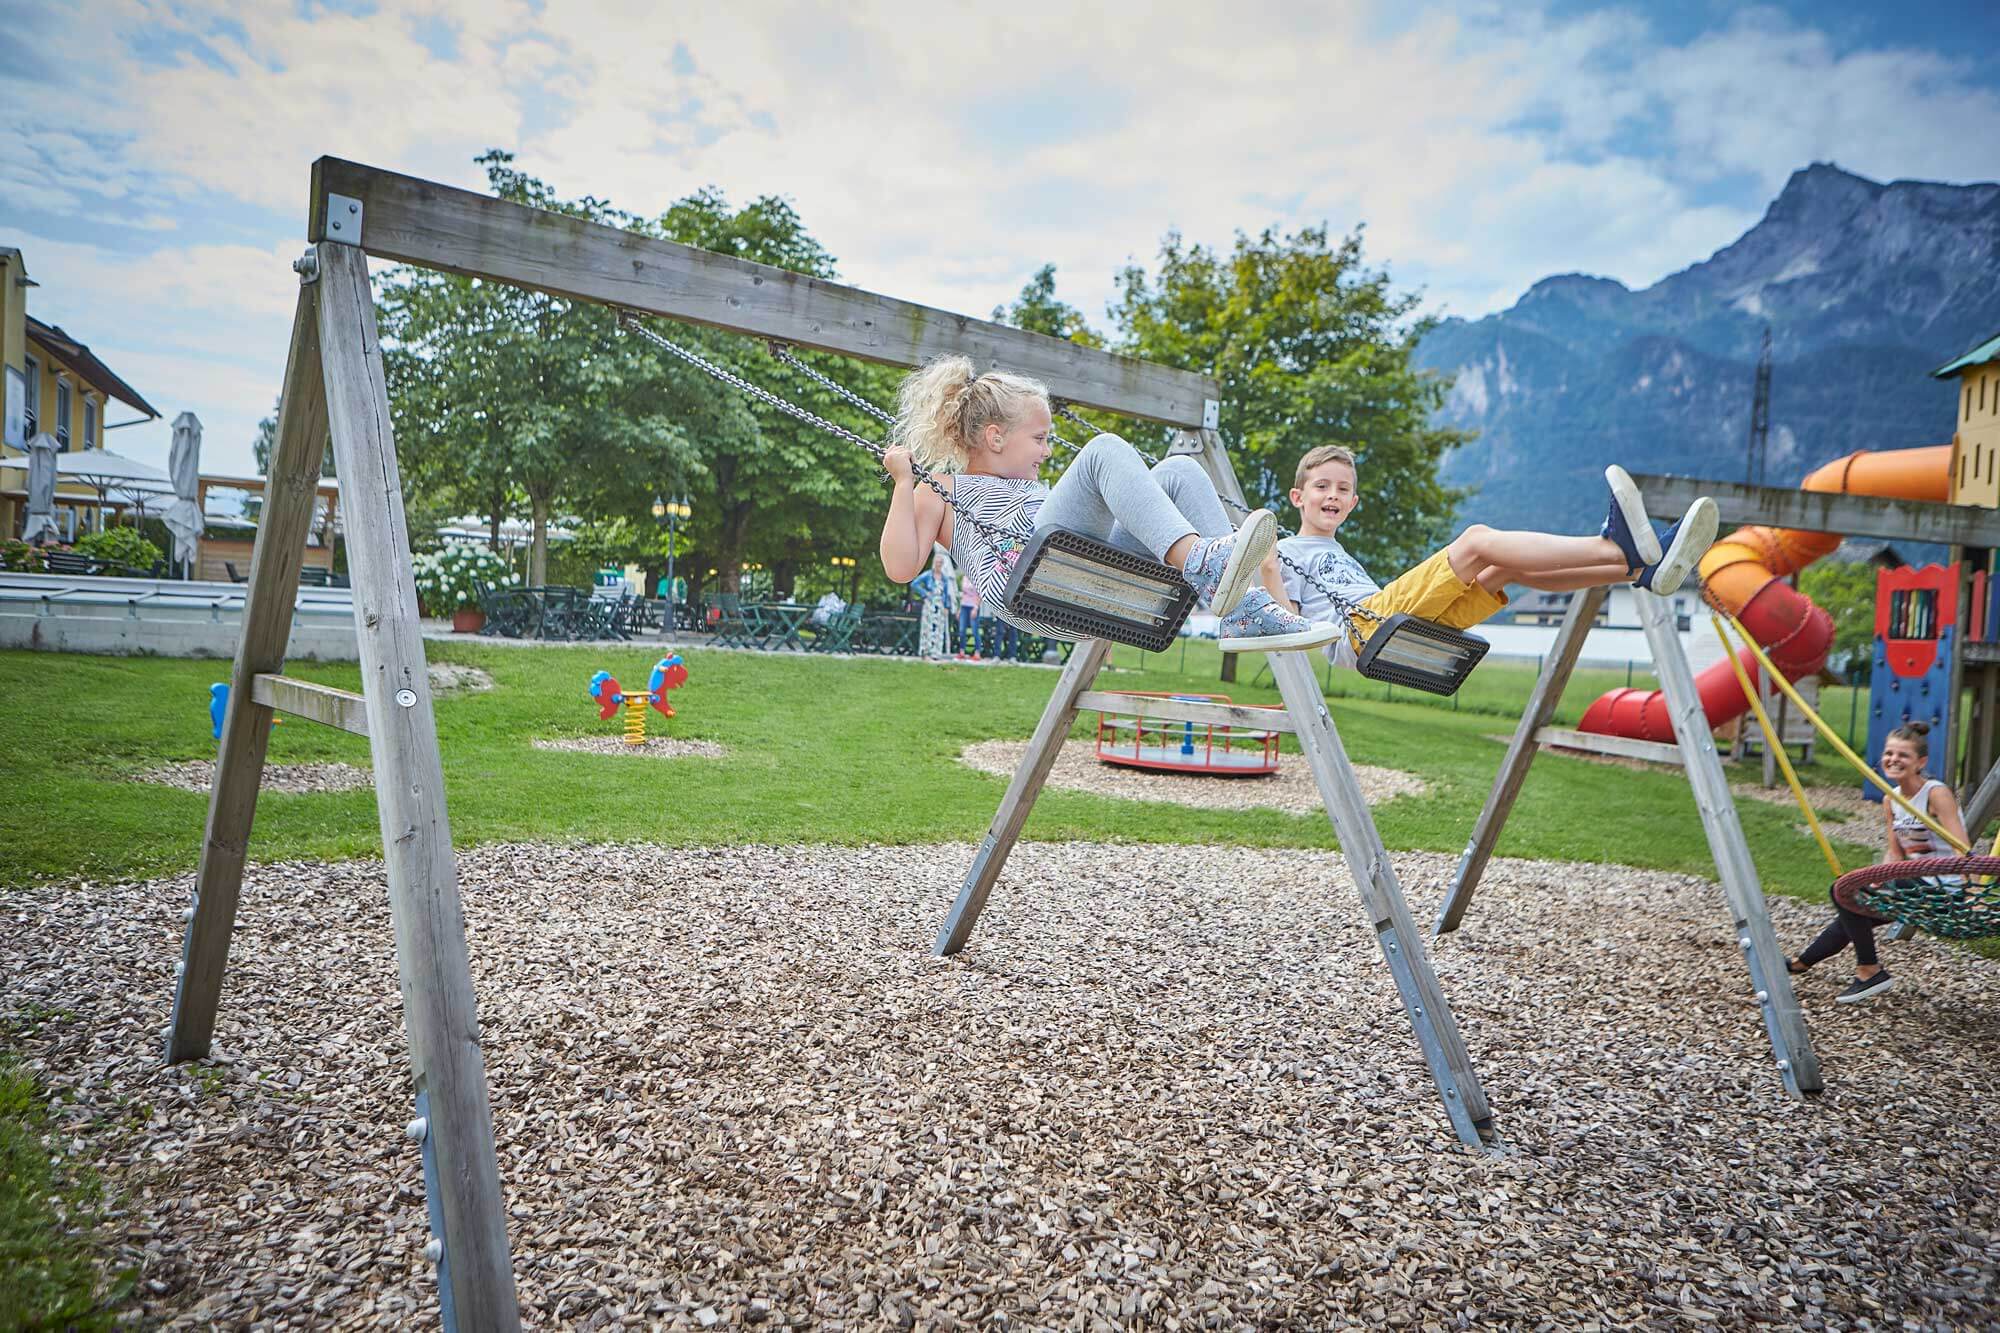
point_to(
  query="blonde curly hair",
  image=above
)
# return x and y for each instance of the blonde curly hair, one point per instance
(942, 408)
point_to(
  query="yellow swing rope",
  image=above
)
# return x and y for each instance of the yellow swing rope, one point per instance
(1777, 748)
(1839, 745)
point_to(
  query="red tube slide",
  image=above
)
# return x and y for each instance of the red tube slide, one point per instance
(1745, 573)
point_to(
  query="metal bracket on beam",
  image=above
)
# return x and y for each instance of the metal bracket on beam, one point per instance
(419, 1132)
(343, 219)
(307, 267)
(1211, 414)
(1472, 1133)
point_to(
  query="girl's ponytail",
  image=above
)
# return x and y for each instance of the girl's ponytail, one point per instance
(943, 407)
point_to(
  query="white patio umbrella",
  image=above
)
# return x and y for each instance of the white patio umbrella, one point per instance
(183, 517)
(41, 523)
(105, 472)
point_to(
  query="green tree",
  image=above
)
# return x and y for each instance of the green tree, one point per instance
(1039, 310)
(267, 440)
(1845, 590)
(1311, 347)
(516, 400)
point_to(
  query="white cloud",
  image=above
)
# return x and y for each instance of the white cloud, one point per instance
(941, 153)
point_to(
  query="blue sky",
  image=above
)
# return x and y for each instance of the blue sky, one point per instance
(154, 153)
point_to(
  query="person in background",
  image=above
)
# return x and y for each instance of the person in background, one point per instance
(968, 618)
(938, 589)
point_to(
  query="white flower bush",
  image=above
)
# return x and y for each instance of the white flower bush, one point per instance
(448, 579)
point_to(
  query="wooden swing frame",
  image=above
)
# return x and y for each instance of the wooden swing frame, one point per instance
(335, 385)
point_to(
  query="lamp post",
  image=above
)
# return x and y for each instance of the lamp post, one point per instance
(671, 512)
(846, 562)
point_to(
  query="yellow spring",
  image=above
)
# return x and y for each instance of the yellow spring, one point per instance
(635, 719)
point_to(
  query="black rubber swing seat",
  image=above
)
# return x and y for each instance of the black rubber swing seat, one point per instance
(1921, 893)
(1087, 589)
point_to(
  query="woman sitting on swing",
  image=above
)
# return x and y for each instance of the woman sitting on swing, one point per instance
(1910, 839)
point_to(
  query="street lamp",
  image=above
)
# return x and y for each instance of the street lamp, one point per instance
(671, 512)
(846, 562)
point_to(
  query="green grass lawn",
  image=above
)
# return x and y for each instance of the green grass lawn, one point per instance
(820, 750)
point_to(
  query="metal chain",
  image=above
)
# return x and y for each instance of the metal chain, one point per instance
(785, 354)
(627, 320)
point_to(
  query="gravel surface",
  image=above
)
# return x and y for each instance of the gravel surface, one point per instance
(1291, 788)
(451, 676)
(1165, 1087)
(295, 779)
(653, 747)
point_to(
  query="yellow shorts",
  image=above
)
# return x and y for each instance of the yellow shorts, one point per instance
(1431, 592)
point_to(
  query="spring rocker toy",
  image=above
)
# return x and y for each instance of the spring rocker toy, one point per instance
(669, 673)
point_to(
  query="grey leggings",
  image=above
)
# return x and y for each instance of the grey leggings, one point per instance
(1109, 493)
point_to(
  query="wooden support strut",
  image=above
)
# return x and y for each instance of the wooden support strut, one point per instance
(417, 221)
(431, 955)
(269, 600)
(1583, 608)
(1750, 918)
(340, 709)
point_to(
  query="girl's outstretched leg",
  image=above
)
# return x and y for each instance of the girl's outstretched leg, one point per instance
(1108, 487)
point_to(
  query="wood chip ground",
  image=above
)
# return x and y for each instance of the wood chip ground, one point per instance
(1166, 1087)
(1290, 789)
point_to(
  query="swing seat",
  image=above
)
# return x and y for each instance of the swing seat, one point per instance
(1420, 654)
(1920, 894)
(1088, 590)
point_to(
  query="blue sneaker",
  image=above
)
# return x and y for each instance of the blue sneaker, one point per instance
(1627, 525)
(1687, 541)
(1260, 625)
(1219, 569)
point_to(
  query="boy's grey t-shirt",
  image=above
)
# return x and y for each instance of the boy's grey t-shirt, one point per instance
(1330, 565)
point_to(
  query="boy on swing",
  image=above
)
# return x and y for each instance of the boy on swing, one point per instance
(1464, 583)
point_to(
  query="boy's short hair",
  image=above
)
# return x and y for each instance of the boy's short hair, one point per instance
(1321, 455)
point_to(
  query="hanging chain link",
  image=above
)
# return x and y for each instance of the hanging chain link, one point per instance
(627, 320)
(784, 353)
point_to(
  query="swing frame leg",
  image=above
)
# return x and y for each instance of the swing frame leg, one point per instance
(1382, 898)
(1521, 751)
(1750, 918)
(1057, 718)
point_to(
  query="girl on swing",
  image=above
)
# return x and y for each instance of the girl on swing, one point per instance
(987, 437)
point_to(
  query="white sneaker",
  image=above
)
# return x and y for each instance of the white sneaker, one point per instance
(1687, 541)
(1220, 569)
(1260, 625)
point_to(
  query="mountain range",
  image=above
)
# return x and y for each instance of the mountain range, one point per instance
(1865, 288)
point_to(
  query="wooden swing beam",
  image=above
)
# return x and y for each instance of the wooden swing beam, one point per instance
(335, 385)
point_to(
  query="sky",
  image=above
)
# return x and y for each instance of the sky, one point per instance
(154, 154)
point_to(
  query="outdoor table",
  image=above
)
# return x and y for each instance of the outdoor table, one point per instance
(893, 634)
(782, 622)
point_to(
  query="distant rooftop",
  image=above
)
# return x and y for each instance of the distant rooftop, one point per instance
(1986, 351)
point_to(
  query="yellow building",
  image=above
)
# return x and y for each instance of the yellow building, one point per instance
(49, 384)
(1975, 445)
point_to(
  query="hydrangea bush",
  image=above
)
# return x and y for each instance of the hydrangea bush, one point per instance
(449, 579)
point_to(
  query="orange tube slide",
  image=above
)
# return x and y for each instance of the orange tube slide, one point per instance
(1745, 574)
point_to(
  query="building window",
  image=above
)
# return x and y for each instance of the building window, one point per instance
(34, 399)
(90, 440)
(62, 415)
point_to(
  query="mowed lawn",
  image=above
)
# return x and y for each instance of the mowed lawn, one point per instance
(818, 750)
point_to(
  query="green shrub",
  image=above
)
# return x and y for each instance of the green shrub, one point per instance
(20, 558)
(125, 546)
(448, 579)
